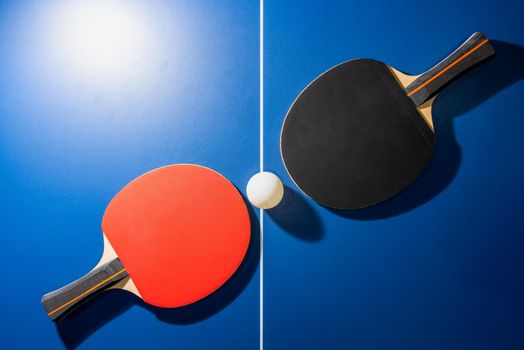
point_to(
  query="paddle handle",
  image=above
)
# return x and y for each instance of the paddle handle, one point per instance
(60, 302)
(473, 51)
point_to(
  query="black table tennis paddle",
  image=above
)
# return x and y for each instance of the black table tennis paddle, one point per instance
(362, 131)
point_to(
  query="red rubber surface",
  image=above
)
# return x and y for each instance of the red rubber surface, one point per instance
(181, 231)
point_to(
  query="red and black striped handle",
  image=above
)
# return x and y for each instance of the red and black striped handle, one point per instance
(473, 51)
(59, 303)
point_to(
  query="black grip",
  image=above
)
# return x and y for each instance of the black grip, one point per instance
(473, 51)
(60, 302)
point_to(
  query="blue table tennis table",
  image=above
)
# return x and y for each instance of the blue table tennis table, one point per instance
(440, 266)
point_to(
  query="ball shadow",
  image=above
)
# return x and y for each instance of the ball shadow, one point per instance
(296, 216)
(95, 313)
(460, 97)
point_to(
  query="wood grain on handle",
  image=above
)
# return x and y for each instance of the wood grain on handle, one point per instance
(473, 51)
(60, 302)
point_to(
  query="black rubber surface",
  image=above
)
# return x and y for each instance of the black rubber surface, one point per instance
(353, 138)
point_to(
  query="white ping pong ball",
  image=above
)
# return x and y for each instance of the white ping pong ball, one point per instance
(265, 190)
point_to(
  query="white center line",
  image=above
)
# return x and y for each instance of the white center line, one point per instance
(261, 213)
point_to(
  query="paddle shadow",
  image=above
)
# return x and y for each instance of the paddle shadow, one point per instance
(296, 216)
(95, 313)
(460, 97)
(85, 320)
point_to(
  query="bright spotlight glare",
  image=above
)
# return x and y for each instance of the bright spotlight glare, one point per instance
(105, 40)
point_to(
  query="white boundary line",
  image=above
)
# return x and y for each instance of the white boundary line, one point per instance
(261, 87)
(261, 126)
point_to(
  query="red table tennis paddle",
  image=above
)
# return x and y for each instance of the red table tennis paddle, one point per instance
(171, 236)
(362, 131)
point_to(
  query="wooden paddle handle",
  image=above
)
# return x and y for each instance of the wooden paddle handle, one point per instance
(60, 302)
(474, 50)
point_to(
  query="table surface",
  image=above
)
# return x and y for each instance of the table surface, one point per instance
(439, 266)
